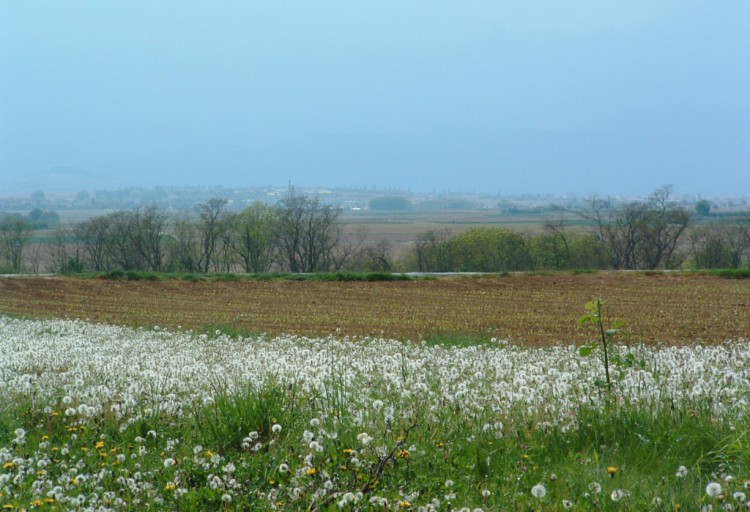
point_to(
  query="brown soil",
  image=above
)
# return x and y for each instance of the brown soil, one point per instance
(533, 310)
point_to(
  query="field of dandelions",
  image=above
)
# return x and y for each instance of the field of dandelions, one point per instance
(95, 417)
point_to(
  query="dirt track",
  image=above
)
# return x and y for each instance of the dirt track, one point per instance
(533, 310)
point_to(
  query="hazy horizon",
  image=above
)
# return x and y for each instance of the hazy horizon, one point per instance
(503, 98)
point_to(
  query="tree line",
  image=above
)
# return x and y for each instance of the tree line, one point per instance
(655, 233)
(299, 234)
(302, 234)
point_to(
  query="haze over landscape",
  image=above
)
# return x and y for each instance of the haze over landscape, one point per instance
(499, 97)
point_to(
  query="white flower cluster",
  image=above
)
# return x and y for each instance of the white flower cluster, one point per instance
(127, 372)
(83, 371)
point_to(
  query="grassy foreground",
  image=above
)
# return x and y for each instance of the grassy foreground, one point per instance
(102, 418)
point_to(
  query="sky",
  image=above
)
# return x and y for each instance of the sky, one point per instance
(496, 97)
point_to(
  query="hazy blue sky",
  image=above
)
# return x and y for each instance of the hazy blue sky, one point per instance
(490, 96)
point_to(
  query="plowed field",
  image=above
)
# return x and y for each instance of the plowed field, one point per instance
(525, 309)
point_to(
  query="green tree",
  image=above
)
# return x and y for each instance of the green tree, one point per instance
(551, 250)
(703, 208)
(253, 236)
(490, 250)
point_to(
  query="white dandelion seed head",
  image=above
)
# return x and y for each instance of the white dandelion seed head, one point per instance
(617, 495)
(713, 489)
(539, 491)
(364, 438)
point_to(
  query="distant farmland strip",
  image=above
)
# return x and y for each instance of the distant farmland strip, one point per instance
(529, 309)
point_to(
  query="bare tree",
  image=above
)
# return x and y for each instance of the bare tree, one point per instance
(433, 252)
(14, 236)
(95, 236)
(721, 245)
(146, 228)
(307, 234)
(65, 250)
(349, 246)
(641, 234)
(119, 239)
(377, 257)
(184, 245)
(210, 228)
(665, 224)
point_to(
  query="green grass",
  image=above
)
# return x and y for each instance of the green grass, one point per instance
(132, 275)
(729, 273)
(618, 448)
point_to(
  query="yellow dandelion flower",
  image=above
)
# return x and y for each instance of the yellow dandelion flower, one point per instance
(99, 445)
(170, 487)
(404, 503)
(9, 465)
(311, 471)
(611, 470)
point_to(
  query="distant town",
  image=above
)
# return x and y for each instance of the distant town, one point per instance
(348, 199)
